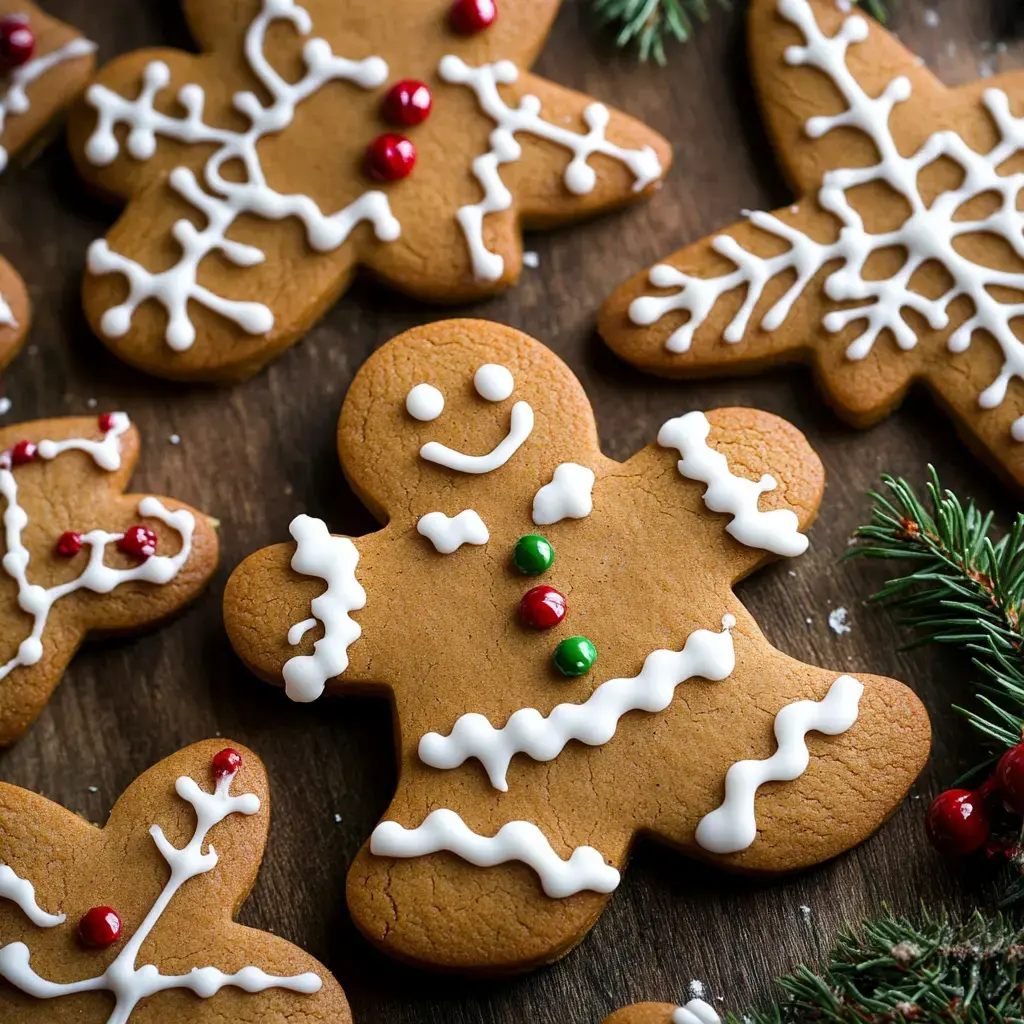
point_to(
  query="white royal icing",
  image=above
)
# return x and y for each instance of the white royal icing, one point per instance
(129, 984)
(494, 382)
(97, 577)
(580, 178)
(777, 531)
(14, 101)
(733, 827)
(334, 560)
(594, 722)
(424, 403)
(444, 830)
(220, 200)
(448, 535)
(6, 314)
(23, 893)
(930, 233)
(696, 1011)
(519, 430)
(568, 496)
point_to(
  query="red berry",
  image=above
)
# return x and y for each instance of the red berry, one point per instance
(227, 762)
(958, 823)
(407, 103)
(468, 17)
(69, 544)
(17, 42)
(22, 452)
(138, 541)
(390, 158)
(99, 928)
(1010, 776)
(106, 422)
(542, 608)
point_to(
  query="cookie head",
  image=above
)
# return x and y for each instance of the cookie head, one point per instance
(462, 404)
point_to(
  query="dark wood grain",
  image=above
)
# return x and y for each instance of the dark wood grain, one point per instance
(256, 455)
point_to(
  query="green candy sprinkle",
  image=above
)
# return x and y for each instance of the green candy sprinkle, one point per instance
(533, 554)
(575, 656)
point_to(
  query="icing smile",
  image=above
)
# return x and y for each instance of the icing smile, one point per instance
(493, 383)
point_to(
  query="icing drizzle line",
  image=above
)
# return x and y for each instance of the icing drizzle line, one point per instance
(15, 100)
(732, 826)
(519, 430)
(929, 233)
(334, 560)
(444, 830)
(23, 893)
(580, 177)
(594, 722)
(220, 200)
(777, 531)
(96, 576)
(130, 984)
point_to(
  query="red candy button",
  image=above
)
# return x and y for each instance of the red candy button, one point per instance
(390, 158)
(138, 541)
(407, 103)
(69, 544)
(17, 42)
(22, 452)
(468, 17)
(542, 608)
(99, 928)
(225, 763)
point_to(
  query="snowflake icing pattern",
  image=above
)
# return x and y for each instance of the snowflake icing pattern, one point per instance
(928, 234)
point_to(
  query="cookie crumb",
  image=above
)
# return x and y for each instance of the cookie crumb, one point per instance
(837, 621)
(531, 260)
(805, 912)
(792, 572)
(337, 819)
(92, 789)
(808, 620)
(697, 989)
(175, 439)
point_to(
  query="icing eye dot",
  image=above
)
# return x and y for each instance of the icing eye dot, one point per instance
(493, 382)
(424, 403)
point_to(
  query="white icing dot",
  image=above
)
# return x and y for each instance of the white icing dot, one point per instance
(424, 402)
(494, 382)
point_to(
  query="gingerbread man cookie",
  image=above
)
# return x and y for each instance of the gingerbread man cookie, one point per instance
(80, 556)
(696, 1011)
(406, 136)
(901, 259)
(135, 921)
(15, 312)
(567, 662)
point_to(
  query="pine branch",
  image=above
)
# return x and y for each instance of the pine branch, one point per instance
(892, 971)
(649, 24)
(965, 590)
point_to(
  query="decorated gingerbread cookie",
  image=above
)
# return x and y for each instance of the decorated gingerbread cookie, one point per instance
(15, 312)
(900, 259)
(135, 921)
(310, 138)
(44, 65)
(567, 662)
(696, 1011)
(80, 556)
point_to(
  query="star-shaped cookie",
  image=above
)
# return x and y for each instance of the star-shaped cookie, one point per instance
(568, 664)
(253, 172)
(136, 920)
(80, 556)
(901, 259)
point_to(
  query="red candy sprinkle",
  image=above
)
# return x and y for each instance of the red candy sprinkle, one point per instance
(99, 928)
(17, 42)
(542, 608)
(106, 422)
(390, 158)
(22, 452)
(138, 541)
(69, 544)
(407, 103)
(958, 822)
(227, 762)
(468, 17)
(1010, 776)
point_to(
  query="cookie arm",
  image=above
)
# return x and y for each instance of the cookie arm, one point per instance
(15, 313)
(643, 1013)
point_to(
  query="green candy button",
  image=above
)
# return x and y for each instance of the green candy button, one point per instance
(575, 656)
(533, 555)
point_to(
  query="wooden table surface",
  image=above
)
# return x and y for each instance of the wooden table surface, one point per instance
(256, 455)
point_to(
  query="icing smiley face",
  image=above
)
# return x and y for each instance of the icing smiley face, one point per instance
(493, 383)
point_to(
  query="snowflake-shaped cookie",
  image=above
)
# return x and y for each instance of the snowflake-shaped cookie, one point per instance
(527, 767)
(902, 258)
(249, 211)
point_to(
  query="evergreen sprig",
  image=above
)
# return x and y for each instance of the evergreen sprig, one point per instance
(965, 590)
(893, 971)
(649, 24)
